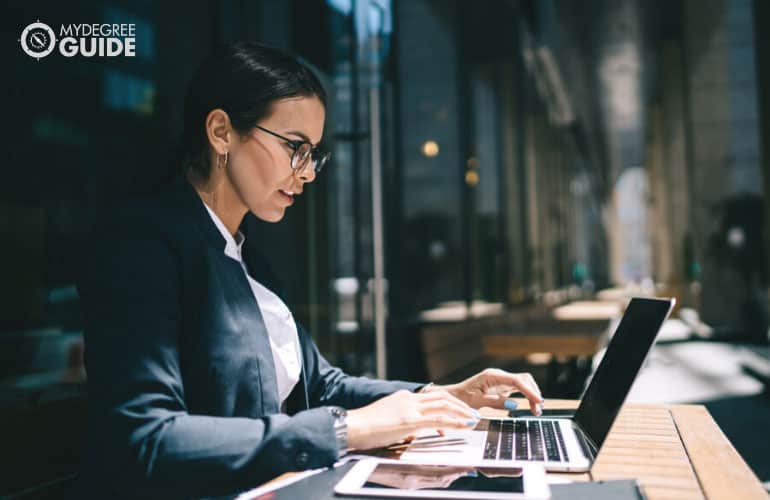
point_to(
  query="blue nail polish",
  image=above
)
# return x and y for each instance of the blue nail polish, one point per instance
(476, 414)
(472, 473)
(510, 404)
(471, 423)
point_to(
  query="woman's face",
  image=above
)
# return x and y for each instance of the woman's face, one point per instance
(259, 166)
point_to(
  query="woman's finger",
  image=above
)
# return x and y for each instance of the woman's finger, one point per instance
(498, 400)
(536, 407)
(524, 382)
(526, 385)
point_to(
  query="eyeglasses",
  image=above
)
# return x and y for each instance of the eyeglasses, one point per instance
(303, 153)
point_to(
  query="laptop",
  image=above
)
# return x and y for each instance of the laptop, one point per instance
(560, 443)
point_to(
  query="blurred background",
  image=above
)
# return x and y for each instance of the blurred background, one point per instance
(505, 174)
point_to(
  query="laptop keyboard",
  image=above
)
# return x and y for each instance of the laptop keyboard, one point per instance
(539, 440)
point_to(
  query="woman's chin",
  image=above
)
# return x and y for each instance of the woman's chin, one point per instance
(270, 215)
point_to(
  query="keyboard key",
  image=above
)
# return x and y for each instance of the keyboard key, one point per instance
(493, 436)
(535, 441)
(551, 448)
(506, 441)
(521, 440)
(560, 439)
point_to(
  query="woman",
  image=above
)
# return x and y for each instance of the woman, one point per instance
(200, 380)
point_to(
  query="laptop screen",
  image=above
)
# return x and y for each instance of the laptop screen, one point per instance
(621, 363)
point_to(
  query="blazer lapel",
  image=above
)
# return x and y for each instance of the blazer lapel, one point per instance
(256, 262)
(240, 298)
(250, 317)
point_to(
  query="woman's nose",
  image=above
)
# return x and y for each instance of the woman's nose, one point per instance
(307, 175)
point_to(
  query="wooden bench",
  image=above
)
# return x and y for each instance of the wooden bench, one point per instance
(529, 339)
(452, 352)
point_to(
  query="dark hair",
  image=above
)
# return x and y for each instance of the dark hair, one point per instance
(243, 79)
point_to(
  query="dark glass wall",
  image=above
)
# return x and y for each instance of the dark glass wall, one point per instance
(476, 173)
(81, 135)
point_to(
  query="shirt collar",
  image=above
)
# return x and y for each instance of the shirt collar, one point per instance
(233, 244)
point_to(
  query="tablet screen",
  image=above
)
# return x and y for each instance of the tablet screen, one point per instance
(446, 478)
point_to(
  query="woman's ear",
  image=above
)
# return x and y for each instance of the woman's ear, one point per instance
(219, 131)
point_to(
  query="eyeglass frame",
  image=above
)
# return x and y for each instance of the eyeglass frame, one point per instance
(321, 156)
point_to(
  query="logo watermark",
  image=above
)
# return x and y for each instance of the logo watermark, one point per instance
(39, 40)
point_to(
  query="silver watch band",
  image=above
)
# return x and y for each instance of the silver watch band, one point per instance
(340, 428)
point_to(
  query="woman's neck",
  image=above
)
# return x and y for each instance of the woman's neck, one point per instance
(217, 193)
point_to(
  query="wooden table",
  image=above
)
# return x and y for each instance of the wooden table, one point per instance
(673, 451)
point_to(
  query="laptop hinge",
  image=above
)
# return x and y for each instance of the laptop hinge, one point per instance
(589, 449)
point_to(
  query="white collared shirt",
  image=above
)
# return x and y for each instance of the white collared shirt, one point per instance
(279, 322)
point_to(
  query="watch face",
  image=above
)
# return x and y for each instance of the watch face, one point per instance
(38, 40)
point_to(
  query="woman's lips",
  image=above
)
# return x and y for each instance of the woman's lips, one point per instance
(289, 198)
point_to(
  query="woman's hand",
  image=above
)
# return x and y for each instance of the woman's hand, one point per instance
(492, 387)
(395, 417)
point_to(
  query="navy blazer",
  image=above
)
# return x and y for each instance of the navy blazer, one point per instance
(182, 389)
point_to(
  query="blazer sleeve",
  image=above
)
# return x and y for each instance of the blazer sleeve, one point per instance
(148, 444)
(328, 385)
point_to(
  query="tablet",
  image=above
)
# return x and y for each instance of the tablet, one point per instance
(372, 477)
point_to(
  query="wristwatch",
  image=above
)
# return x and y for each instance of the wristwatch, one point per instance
(340, 416)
